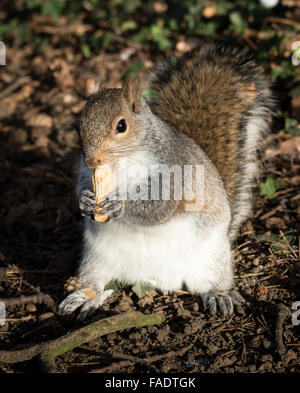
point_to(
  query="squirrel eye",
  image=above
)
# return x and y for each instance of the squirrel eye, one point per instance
(121, 126)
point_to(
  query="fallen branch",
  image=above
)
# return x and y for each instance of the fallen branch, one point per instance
(38, 298)
(283, 21)
(47, 352)
(14, 86)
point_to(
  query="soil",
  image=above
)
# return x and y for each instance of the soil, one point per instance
(41, 96)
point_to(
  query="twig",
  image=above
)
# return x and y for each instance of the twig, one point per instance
(14, 86)
(283, 21)
(121, 40)
(180, 352)
(38, 298)
(288, 244)
(112, 367)
(283, 313)
(127, 360)
(135, 359)
(250, 42)
(151, 359)
(48, 351)
(219, 328)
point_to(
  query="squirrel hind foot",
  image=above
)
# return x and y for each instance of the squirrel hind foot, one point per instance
(86, 299)
(225, 301)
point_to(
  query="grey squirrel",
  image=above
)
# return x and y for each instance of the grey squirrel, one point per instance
(211, 109)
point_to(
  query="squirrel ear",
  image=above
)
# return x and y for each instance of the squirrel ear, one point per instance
(132, 93)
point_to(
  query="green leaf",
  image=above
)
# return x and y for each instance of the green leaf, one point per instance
(113, 284)
(86, 50)
(148, 93)
(236, 18)
(106, 39)
(130, 5)
(295, 91)
(159, 37)
(276, 73)
(267, 238)
(268, 188)
(30, 4)
(173, 24)
(142, 35)
(291, 126)
(134, 69)
(277, 243)
(141, 288)
(237, 22)
(208, 28)
(281, 245)
(128, 25)
(53, 9)
(224, 7)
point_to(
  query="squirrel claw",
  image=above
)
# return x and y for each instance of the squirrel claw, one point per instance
(113, 207)
(225, 301)
(87, 203)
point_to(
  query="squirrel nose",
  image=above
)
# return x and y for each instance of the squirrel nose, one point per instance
(93, 158)
(92, 162)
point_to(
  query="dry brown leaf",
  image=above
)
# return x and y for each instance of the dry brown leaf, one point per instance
(275, 222)
(62, 26)
(262, 290)
(62, 72)
(91, 86)
(9, 104)
(25, 92)
(209, 12)
(295, 180)
(7, 107)
(160, 7)
(295, 105)
(40, 120)
(290, 146)
(78, 107)
(271, 152)
(183, 46)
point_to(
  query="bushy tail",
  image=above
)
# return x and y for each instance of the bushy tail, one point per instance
(217, 96)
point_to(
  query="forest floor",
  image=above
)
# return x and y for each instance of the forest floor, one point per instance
(41, 95)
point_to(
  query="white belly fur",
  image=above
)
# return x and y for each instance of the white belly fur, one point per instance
(169, 254)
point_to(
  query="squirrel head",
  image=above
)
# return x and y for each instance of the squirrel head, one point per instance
(109, 125)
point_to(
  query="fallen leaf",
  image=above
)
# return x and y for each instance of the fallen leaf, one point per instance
(160, 7)
(209, 12)
(40, 120)
(295, 105)
(290, 146)
(268, 187)
(275, 222)
(91, 86)
(294, 180)
(262, 290)
(183, 46)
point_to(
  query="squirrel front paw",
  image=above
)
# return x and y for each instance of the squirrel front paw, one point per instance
(87, 204)
(85, 298)
(111, 206)
(224, 300)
